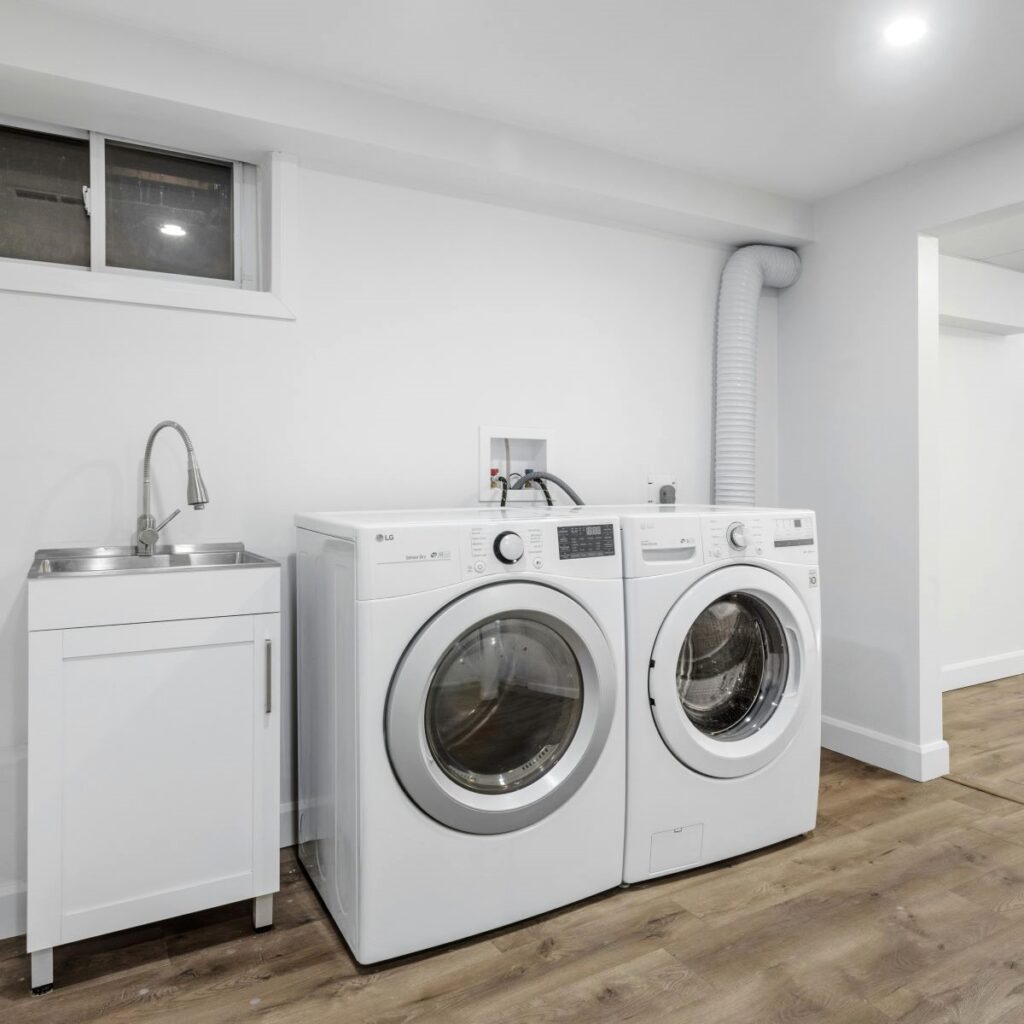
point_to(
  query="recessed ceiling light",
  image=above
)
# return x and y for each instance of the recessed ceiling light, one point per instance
(906, 31)
(174, 230)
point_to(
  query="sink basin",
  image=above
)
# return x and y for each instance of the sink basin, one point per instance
(117, 561)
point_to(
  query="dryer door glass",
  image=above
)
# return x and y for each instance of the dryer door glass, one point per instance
(503, 705)
(733, 667)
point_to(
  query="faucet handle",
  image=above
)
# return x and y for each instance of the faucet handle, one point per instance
(176, 512)
(147, 540)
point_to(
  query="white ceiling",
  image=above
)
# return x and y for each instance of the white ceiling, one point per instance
(800, 97)
(1000, 242)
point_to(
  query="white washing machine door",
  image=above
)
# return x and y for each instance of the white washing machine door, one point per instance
(727, 672)
(500, 707)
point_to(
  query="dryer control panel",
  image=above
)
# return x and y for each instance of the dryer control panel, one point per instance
(591, 540)
(588, 549)
(398, 553)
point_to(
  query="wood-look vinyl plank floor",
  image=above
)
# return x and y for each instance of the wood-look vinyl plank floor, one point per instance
(905, 905)
(983, 725)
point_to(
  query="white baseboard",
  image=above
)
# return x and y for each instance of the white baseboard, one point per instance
(915, 761)
(289, 825)
(12, 911)
(982, 670)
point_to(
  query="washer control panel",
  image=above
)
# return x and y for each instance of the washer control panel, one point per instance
(736, 535)
(674, 539)
(794, 532)
(782, 538)
(732, 538)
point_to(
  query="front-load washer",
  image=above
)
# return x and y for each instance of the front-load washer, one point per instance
(461, 718)
(723, 644)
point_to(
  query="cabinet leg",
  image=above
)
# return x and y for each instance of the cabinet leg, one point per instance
(263, 912)
(42, 971)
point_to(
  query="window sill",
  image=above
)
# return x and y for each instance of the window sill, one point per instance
(73, 282)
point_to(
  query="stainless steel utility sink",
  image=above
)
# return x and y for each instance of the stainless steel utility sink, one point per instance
(119, 561)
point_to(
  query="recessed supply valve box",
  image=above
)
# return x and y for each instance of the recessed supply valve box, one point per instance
(512, 452)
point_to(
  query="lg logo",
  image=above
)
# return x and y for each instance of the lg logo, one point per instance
(381, 537)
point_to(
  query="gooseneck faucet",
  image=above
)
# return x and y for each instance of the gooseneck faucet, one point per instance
(197, 497)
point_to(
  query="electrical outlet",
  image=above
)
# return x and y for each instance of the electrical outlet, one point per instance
(661, 489)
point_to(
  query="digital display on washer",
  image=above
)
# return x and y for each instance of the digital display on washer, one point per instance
(794, 533)
(586, 541)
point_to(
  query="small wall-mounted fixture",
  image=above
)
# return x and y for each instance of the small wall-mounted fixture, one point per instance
(508, 451)
(661, 489)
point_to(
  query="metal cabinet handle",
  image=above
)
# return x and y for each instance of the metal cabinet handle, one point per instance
(270, 676)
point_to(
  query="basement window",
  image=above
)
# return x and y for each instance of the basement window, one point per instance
(43, 182)
(169, 214)
(111, 206)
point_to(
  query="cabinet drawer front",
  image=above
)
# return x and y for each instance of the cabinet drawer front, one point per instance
(156, 636)
(74, 601)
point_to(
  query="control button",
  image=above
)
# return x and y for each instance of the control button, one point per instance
(538, 563)
(508, 547)
(737, 536)
(479, 566)
(717, 552)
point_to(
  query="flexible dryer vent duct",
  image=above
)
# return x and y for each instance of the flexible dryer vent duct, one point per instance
(748, 271)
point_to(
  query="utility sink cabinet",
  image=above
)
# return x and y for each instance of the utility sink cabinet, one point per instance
(154, 735)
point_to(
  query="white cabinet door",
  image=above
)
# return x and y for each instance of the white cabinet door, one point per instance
(153, 754)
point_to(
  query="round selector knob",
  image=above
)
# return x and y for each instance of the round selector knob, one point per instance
(508, 547)
(737, 536)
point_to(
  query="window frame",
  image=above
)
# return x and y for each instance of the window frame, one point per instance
(246, 263)
(259, 192)
(59, 131)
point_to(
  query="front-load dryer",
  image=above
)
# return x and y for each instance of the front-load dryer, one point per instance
(723, 645)
(461, 719)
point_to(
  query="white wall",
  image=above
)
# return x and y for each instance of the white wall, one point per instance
(859, 441)
(848, 430)
(979, 296)
(981, 500)
(419, 318)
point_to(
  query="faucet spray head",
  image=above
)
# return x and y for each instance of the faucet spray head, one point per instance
(197, 494)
